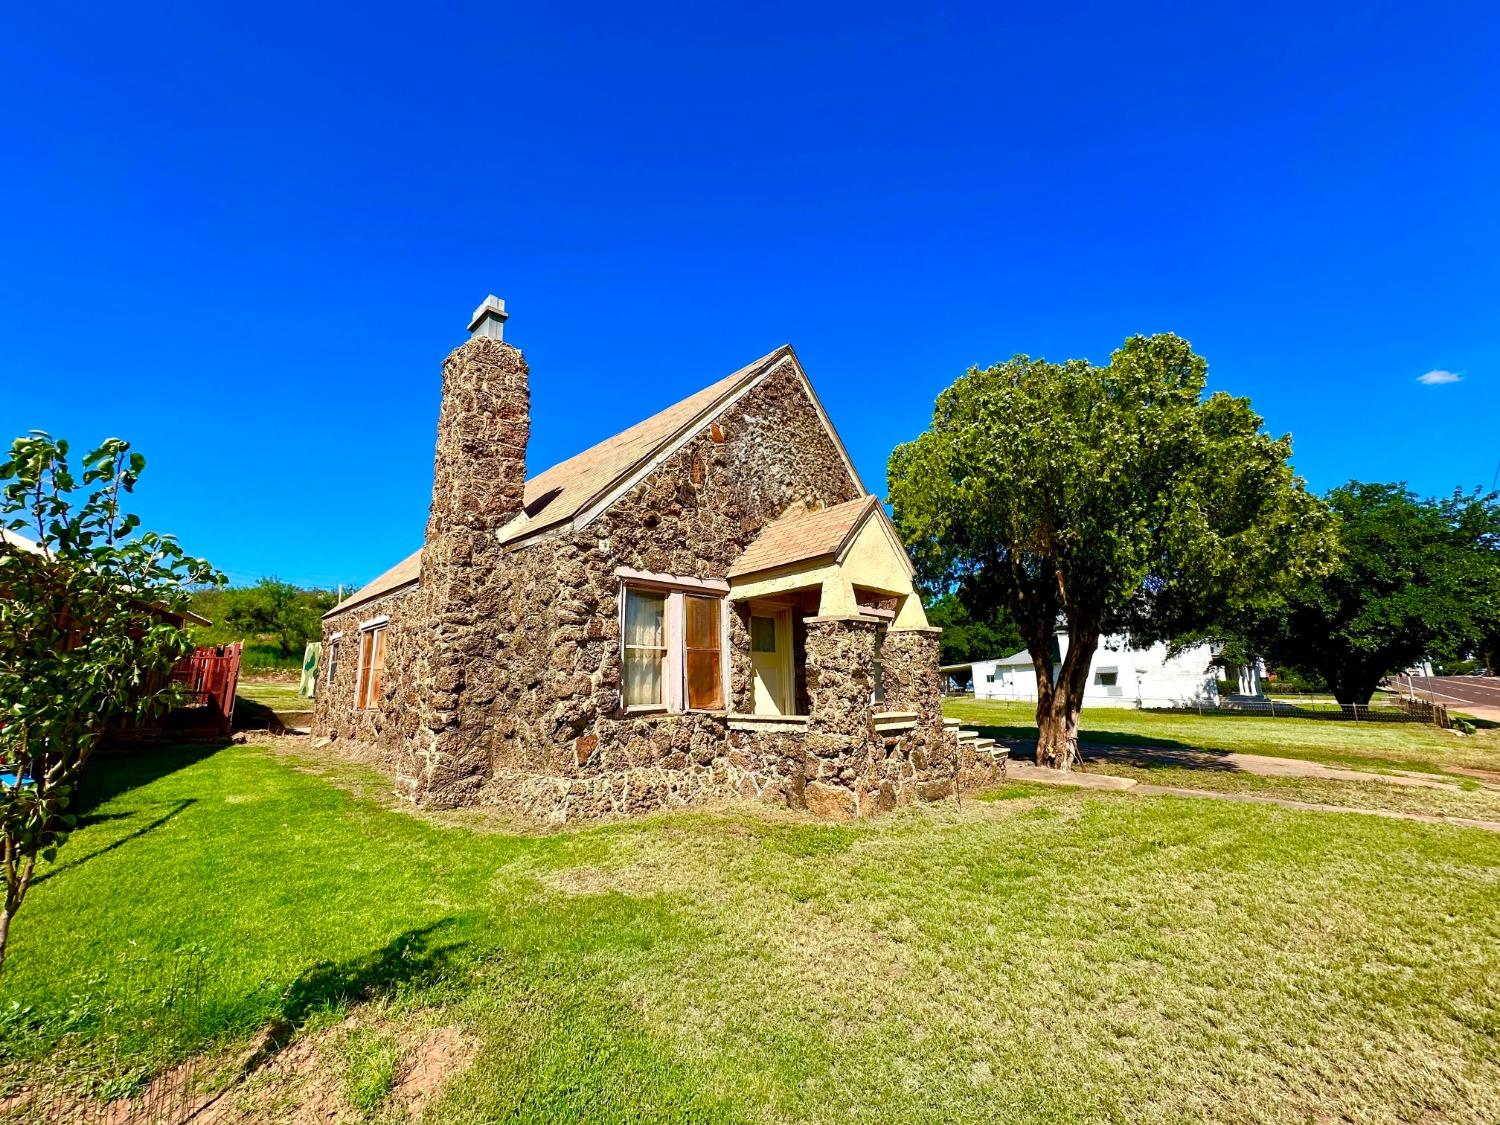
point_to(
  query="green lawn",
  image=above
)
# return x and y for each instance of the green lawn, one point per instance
(278, 695)
(1413, 746)
(1046, 955)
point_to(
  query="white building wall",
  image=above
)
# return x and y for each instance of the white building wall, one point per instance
(1118, 677)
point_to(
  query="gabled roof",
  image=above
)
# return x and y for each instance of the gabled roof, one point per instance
(801, 536)
(404, 573)
(1020, 659)
(563, 491)
(578, 489)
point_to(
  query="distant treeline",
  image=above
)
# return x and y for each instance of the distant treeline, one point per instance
(275, 619)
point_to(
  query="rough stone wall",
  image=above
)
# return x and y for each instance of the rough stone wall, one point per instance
(374, 735)
(479, 476)
(557, 606)
(801, 691)
(922, 761)
(841, 740)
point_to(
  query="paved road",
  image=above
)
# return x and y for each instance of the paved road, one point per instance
(1476, 695)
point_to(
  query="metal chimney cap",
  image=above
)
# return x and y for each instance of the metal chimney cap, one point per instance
(489, 318)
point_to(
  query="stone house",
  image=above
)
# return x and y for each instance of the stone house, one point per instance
(709, 604)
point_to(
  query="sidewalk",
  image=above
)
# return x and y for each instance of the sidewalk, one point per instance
(1148, 790)
(1258, 764)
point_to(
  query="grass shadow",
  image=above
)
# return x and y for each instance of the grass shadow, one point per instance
(174, 811)
(109, 775)
(251, 714)
(411, 958)
(407, 960)
(1145, 751)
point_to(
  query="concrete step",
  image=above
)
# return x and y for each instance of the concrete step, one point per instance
(965, 735)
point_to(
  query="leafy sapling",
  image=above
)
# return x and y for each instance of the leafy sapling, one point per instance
(91, 611)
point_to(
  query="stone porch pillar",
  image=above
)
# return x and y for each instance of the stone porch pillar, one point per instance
(909, 664)
(841, 739)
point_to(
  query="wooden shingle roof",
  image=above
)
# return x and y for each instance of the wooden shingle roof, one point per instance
(571, 487)
(404, 573)
(564, 490)
(801, 536)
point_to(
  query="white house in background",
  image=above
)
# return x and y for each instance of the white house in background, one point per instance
(1119, 676)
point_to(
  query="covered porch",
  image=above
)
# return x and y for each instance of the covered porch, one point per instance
(823, 599)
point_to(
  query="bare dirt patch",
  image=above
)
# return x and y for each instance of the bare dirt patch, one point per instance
(311, 1079)
(441, 1053)
(308, 1081)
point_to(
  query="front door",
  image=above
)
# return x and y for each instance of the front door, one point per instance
(771, 661)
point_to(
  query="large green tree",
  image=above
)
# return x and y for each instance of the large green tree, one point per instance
(87, 634)
(1102, 498)
(1415, 578)
(965, 637)
(277, 609)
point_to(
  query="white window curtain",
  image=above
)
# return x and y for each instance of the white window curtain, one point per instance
(645, 648)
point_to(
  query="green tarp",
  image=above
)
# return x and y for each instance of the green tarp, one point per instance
(310, 660)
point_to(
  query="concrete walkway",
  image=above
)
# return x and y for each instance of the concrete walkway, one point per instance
(1259, 764)
(1148, 790)
(1076, 779)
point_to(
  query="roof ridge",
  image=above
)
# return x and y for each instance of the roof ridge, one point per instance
(408, 570)
(724, 388)
(742, 374)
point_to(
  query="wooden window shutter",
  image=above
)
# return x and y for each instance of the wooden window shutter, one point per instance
(704, 655)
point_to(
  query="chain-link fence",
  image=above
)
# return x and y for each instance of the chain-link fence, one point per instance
(110, 1090)
(1395, 710)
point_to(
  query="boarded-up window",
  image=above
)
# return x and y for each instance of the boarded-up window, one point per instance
(705, 667)
(371, 666)
(645, 648)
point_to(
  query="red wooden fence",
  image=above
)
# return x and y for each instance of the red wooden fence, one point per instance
(211, 676)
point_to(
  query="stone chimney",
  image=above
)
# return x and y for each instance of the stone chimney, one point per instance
(479, 472)
(478, 486)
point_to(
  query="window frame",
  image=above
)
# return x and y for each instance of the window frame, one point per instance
(666, 648)
(373, 631)
(675, 590)
(332, 663)
(720, 649)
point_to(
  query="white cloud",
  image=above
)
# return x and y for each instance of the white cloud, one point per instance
(1434, 378)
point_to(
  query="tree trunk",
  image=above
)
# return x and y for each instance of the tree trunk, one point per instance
(5, 916)
(1353, 686)
(1056, 730)
(1058, 704)
(14, 893)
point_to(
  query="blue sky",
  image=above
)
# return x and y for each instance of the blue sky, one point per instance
(244, 238)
